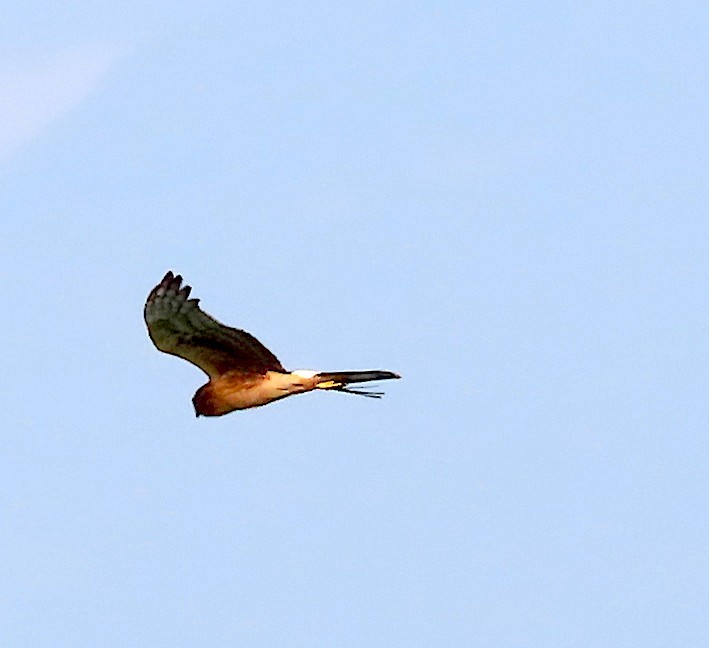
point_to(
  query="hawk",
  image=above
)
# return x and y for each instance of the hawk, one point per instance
(242, 372)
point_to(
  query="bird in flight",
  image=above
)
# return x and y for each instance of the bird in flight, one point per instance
(242, 372)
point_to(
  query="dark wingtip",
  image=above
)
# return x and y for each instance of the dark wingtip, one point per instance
(174, 281)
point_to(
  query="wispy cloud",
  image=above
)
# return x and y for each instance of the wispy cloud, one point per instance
(36, 93)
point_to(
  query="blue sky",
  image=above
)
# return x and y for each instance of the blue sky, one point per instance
(504, 202)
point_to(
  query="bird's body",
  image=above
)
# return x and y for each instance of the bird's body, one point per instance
(242, 372)
(241, 390)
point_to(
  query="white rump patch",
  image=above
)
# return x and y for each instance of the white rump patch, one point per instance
(304, 373)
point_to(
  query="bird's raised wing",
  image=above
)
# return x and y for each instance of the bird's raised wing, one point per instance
(177, 326)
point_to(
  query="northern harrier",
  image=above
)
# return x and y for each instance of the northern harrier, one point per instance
(242, 372)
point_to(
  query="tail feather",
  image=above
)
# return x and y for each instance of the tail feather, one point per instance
(338, 380)
(359, 391)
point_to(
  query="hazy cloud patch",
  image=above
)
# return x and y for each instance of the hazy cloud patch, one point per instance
(36, 93)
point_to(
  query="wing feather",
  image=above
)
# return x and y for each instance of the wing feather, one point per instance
(178, 326)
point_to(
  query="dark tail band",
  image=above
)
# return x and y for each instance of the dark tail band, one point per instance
(348, 377)
(338, 380)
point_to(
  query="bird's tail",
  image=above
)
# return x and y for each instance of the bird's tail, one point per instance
(338, 380)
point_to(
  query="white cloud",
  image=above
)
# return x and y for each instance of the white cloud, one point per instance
(35, 94)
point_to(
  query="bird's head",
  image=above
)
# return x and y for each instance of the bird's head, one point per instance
(202, 401)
